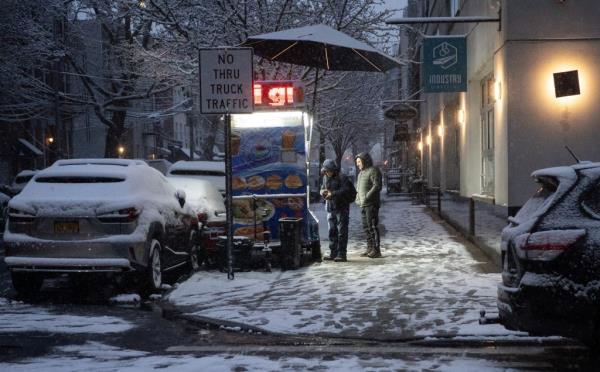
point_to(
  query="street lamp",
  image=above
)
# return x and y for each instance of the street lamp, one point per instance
(566, 83)
(49, 140)
(121, 150)
(461, 116)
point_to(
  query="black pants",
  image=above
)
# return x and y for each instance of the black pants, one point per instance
(338, 232)
(370, 221)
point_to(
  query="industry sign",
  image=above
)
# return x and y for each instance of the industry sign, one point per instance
(278, 94)
(226, 81)
(445, 64)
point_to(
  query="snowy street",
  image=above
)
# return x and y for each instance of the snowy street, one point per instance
(416, 308)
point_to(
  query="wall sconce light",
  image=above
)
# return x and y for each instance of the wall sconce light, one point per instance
(497, 90)
(566, 83)
(428, 140)
(420, 146)
(460, 116)
(121, 150)
(440, 130)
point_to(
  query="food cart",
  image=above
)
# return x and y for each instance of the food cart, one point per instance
(272, 220)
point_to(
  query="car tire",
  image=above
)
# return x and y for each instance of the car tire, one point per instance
(27, 284)
(152, 276)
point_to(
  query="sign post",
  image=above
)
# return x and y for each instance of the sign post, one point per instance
(226, 88)
(444, 64)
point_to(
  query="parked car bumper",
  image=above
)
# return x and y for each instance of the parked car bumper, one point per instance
(547, 310)
(75, 256)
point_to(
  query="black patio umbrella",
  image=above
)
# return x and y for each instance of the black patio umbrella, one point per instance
(322, 47)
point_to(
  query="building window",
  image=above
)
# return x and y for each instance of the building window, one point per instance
(487, 135)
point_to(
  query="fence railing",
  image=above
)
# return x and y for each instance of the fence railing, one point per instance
(476, 217)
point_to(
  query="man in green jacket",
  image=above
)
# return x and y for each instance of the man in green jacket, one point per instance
(368, 199)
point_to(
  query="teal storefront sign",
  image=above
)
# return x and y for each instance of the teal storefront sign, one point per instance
(444, 64)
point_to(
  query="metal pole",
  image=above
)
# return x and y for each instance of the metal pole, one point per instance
(439, 202)
(467, 19)
(228, 198)
(191, 124)
(471, 217)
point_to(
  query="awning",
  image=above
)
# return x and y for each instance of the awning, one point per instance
(30, 148)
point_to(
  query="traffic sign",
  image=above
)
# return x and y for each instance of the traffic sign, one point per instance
(226, 81)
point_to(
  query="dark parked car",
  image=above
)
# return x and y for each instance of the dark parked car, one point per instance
(99, 216)
(551, 257)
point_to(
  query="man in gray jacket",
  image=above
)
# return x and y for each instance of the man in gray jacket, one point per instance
(368, 199)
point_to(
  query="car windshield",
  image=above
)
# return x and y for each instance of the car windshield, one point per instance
(548, 186)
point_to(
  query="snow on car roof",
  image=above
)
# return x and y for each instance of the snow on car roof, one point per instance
(99, 161)
(26, 172)
(565, 172)
(122, 184)
(198, 165)
(200, 193)
(110, 168)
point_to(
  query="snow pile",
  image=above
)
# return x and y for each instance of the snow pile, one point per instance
(20, 317)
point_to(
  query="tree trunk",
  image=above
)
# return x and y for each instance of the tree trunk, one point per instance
(114, 137)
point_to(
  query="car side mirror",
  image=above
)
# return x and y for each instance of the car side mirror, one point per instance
(180, 195)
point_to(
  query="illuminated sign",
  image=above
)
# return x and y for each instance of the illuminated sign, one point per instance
(278, 94)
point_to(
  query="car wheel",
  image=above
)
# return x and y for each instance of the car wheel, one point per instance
(152, 278)
(512, 267)
(194, 261)
(27, 284)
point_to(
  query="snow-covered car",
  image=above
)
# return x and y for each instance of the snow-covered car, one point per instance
(162, 165)
(551, 257)
(21, 179)
(99, 216)
(213, 171)
(209, 206)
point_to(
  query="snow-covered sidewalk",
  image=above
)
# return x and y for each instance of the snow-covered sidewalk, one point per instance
(426, 285)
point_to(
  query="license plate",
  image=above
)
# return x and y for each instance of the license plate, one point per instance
(66, 227)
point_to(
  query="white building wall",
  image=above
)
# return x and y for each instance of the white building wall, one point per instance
(542, 39)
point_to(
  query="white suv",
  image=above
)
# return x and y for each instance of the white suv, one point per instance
(212, 171)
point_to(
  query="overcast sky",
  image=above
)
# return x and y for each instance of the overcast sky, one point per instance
(395, 4)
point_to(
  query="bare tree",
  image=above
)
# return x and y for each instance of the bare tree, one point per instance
(350, 113)
(28, 34)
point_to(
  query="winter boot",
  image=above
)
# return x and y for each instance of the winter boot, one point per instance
(340, 258)
(368, 251)
(332, 256)
(376, 252)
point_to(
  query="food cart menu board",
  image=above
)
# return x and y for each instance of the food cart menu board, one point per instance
(267, 158)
